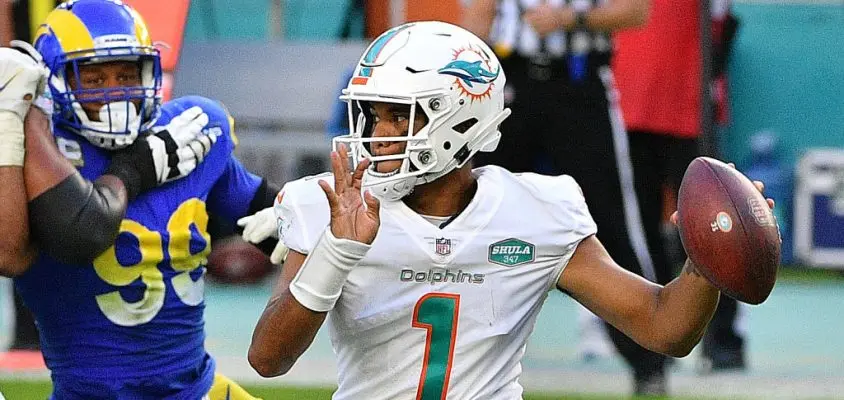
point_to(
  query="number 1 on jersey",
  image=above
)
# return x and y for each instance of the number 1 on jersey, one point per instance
(436, 313)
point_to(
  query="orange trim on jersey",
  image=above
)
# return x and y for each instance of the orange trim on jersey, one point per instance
(429, 331)
(453, 342)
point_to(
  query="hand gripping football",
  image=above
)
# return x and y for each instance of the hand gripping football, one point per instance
(728, 230)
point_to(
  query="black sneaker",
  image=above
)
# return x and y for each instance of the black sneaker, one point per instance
(728, 361)
(721, 362)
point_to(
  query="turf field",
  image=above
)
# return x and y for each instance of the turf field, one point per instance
(795, 350)
(39, 390)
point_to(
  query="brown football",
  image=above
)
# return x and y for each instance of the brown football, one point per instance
(233, 260)
(728, 230)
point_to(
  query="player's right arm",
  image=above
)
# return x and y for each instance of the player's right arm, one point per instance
(286, 328)
(310, 285)
(73, 219)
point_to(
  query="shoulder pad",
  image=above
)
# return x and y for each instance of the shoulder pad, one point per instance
(303, 212)
(563, 198)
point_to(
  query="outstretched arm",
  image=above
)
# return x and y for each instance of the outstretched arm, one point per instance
(668, 320)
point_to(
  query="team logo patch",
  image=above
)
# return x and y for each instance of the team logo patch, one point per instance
(111, 41)
(472, 72)
(722, 222)
(761, 213)
(442, 246)
(511, 252)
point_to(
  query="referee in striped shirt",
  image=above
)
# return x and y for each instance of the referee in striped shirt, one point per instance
(566, 120)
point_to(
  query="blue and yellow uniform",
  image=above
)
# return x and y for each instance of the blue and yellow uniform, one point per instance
(131, 323)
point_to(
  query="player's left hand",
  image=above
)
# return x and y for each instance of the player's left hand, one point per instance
(760, 186)
(169, 153)
(261, 226)
(354, 215)
(178, 147)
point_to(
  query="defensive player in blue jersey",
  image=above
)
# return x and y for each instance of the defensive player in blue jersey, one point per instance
(127, 322)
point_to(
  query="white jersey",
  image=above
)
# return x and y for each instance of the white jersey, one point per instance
(444, 313)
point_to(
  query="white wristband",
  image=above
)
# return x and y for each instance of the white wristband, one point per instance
(11, 140)
(320, 280)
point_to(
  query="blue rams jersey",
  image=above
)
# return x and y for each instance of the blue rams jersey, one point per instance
(132, 320)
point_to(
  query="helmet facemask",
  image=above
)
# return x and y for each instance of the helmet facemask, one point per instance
(435, 150)
(124, 110)
(437, 69)
(418, 157)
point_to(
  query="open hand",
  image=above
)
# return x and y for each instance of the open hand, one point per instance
(354, 216)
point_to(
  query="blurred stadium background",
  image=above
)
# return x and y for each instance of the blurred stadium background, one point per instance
(278, 66)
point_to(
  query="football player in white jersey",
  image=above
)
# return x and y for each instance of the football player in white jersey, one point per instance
(431, 273)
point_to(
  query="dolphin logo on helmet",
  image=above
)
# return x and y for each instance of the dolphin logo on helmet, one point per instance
(469, 72)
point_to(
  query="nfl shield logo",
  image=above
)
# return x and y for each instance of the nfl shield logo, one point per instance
(443, 246)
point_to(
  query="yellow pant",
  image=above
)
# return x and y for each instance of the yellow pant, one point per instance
(225, 389)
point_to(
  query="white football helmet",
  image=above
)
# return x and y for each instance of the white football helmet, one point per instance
(437, 68)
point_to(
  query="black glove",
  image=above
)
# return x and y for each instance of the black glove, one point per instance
(166, 154)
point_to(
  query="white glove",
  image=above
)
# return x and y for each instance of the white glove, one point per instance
(279, 253)
(22, 78)
(172, 152)
(182, 137)
(261, 226)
